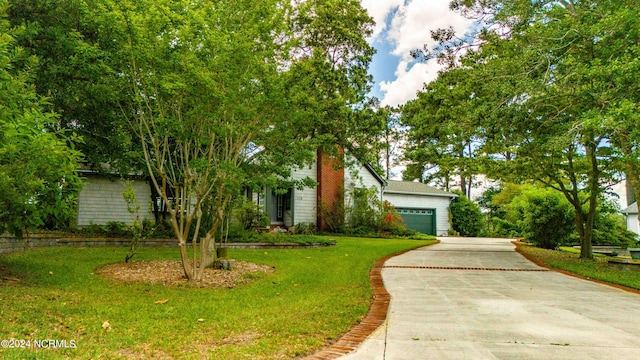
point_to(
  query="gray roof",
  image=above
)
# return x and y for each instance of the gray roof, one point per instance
(632, 209)
(414, 188)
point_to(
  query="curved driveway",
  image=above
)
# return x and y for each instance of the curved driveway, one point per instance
(479, 299)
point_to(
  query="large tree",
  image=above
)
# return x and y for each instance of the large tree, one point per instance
(442, 140)
(555, 94)
(37, 169)
(79, 73)
(552, 88)
(228, 88)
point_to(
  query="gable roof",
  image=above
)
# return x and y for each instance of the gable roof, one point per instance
(632, 209)
(415, 188)
(375, 174)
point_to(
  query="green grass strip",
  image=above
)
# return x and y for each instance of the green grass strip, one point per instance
(597, 269)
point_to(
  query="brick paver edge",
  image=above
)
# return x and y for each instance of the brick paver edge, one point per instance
(376, 316)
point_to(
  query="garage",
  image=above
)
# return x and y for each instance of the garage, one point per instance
(420, 220)
(423, 207)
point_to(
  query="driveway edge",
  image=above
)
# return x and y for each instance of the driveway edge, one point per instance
(376, 316)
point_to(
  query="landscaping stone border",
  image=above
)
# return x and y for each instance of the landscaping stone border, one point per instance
(10, 244)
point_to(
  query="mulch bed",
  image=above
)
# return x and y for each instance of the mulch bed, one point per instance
(170, 273)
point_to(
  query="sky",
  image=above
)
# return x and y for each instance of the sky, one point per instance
(401, 26)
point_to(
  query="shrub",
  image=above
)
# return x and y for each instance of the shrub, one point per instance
(466, 217)
(160, 230)
(333, 217)
(391, 222)
(303, 228)
(610, 228)
(365, 212)
(250, 215)
(544, 216)
(369, 216)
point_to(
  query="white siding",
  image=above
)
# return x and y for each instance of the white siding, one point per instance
(439, 203)
(632, 223)
(359, 178)
(100, 201)
(304, 201)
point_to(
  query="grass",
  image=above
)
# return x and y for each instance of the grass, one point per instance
(314, 296)
(597, 268)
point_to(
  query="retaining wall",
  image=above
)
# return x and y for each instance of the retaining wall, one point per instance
(9, 244)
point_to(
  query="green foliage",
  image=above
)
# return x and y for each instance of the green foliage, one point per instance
(364, 214)
(160, 230)
(466, 216)
(610, 227)
(79, 73)
(250, 215)
(303, 228)
(118, 229)
(333, 216)
(544, 216)
(442, 132)
(554, 98)
(133, 208)
(38, 181)
(368, 216)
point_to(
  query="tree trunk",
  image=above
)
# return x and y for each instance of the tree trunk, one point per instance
(183, 257)
(463, 185)
(207, 252)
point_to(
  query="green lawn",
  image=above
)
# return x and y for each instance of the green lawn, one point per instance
(314, 296)
(597, 269)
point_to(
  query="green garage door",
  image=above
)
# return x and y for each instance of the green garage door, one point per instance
(421, 220)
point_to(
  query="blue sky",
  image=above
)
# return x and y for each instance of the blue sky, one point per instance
(401, 26)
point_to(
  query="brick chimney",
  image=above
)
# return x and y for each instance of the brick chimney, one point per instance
(330, 177)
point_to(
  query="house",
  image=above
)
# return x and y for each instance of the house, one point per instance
(100, 200)
(335, 185)
(631, 213)
(422, 207)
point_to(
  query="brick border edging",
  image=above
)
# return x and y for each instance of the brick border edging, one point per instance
(376, 316)
(565, 272)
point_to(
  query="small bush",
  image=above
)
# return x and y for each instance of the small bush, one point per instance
(160, 230)
(303, 228)
(466, 216)
(251, 216)
(118, 229)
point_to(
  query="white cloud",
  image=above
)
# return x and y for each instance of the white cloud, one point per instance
(409, 29)
(409, 80)
(379, 10)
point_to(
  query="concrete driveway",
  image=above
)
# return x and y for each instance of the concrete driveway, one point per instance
(479, 299)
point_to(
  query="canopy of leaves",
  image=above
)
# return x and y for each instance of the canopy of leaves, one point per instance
(550, 80)
(80, 73)
(38, 181)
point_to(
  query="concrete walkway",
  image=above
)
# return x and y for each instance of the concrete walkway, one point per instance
(479, 299)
